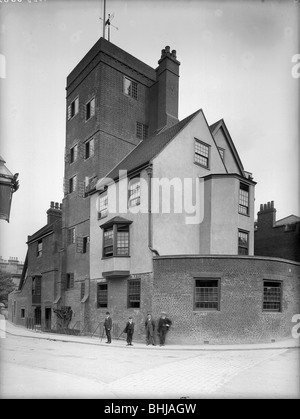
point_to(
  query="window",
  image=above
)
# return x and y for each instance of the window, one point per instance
(36, 285)
(102, 295)
(272, 296)
(207, 294)
(134, 293)
(102, 205)
(141, 131)
(73, 184)
(90, 109)
(85, 244)
(243, 245)
(89, 148)
(82, 290)
(116, 240)
(39, 248)
(222, 152)
(70, 281)
(202, 154)
(244, 199)
(130, 88)
(134, 192)
(73, 108)
(22, 313)
(71, 235)
(73, 153)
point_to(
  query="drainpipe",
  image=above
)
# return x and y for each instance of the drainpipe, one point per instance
(150, 229)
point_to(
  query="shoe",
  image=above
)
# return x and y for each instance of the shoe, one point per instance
(153, 344)
(106, 342)
(128, 344)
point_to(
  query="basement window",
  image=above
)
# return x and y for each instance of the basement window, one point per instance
(272, 296)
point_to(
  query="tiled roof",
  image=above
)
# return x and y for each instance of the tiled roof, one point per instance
(147, 149)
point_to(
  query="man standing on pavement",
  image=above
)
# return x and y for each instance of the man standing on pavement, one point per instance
(163, 326)
(129, 329)
(107, 326)
(149, 326)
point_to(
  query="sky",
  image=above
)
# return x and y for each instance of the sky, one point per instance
(237, 60)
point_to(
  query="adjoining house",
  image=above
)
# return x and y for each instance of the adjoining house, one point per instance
(158, 214)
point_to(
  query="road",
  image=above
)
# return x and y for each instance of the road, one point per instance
(33, 368)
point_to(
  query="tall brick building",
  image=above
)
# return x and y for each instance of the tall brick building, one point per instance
(122, 117)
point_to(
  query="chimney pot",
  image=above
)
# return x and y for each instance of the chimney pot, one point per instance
(261, 207)
(174, 53)
(56, 205)
(52, 204)
(167, 49)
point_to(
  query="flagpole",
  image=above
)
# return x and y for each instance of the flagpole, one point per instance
(104, 18)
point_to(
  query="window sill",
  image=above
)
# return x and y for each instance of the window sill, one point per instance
(201, 165)
(115, 256)
(246, 215)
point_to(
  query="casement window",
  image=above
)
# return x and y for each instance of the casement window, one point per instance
(244, 199)
(141, 131)
(243, 242)
(73, 184)
(134, 192)
(130, 88)
(116, 240)
(89, 148)
(272, 298)
(70, 281)
(90, 109)
(74, 153)
(207, 295)
(73, 108)
(39, 248)
(102, 205)
(202, 152)
(133, 293)
(82, 290)
(102, 299)
(222, 152)
(71, 235)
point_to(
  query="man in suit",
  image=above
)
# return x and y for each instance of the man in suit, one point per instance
(107, 326)
(129, 329)
(163, 326)
(149, 326)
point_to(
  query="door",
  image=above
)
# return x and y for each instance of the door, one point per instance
(48, 312)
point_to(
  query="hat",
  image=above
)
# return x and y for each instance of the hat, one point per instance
(107, 312)
(130, 317)
(163, 312)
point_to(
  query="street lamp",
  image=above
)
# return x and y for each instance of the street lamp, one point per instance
(8, 185)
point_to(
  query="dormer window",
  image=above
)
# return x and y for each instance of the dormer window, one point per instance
(202, 153)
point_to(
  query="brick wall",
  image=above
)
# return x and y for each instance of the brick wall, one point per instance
(240, 318)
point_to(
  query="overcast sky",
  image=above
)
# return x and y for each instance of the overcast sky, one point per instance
(236, 64)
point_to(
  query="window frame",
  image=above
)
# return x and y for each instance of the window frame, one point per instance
(71, 235)
(92, 109)
(73, 182)
(130, 294)
(243, 247)
(82, 290)
(102, 213)
(141, 130)
(73, 112)
(85, 244)
(114, 229)
(207, 279)
(69, 281)
(132, 89)
(242, 199)
(134, 181)
(22, 310)
(74, 150)
(280, 283)
(222, 153)
(99, 284)
(88, 143)
(202, 143)
(39, 250)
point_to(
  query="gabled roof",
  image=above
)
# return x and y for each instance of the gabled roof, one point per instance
(115, 220)
(147, 149)
(290, 219)
(221, 124)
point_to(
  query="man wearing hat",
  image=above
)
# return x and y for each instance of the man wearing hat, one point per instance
(107, 326)
(163, 326)
(149, 326)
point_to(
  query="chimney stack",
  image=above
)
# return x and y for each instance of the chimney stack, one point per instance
(167, 76)
(266, 217)
(54, 212)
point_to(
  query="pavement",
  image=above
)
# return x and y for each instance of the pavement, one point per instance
(14, 330)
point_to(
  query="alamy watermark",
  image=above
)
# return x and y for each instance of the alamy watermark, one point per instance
(296, 67)
(167, 196)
